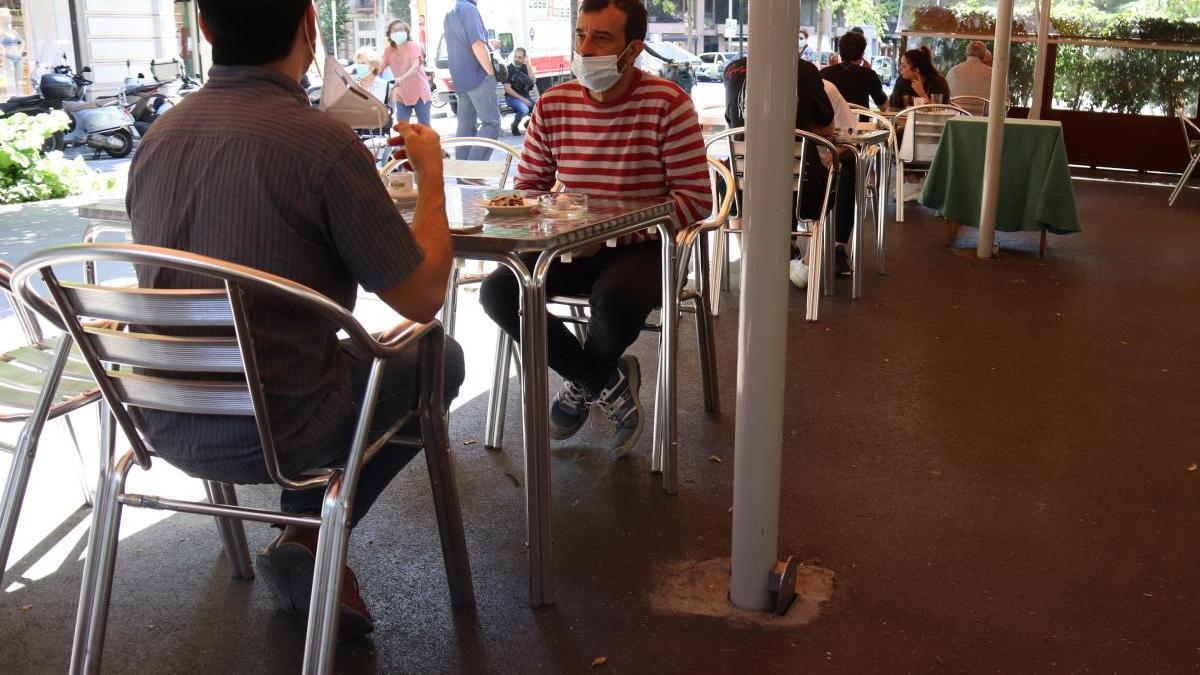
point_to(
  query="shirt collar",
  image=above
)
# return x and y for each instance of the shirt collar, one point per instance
(251, 77)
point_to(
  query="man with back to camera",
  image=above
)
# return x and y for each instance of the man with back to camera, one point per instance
(615, 132)
(856, 83)
(291, 191)
(972, 77)
(474, 79)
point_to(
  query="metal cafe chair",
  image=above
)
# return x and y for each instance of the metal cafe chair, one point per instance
(690, 246)
(878, 181)
(927, 123)
(26, 396)
(1191, 137)
(975, 105)
(476, 172)
(175, 373)
(821, 244)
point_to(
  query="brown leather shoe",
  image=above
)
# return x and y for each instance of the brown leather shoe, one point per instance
(288, 562)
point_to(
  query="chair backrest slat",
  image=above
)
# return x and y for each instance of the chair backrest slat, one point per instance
(200, 397)
(160, 307)
(168, 352)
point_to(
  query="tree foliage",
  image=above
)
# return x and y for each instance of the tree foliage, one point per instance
(325, 12)
(26, 174)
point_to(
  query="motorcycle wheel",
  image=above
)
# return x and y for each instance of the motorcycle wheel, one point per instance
(54, 143)
(126, 145)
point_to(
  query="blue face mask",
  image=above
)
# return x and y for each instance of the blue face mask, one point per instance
(361, 70)
(399, 36)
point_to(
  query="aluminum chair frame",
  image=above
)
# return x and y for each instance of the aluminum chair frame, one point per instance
(966, 98)
(106, 351)
(456, 279)
(49, 403)
(822, 244)
(1193, 148)
(909, 112)
(690, 244)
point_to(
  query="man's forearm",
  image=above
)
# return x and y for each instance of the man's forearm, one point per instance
(482, 56)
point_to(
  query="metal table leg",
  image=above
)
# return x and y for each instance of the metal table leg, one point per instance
(535, 403)
(669, 350)
(861, 169)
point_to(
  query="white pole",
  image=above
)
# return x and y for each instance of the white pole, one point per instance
(995, 133)
(333, 25)
(762, 331)
(1043, 53)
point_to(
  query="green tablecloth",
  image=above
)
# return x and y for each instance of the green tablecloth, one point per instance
(1035, 182)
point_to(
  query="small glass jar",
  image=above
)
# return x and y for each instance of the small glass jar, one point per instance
(563, 205)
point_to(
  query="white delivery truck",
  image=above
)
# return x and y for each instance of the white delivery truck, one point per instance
(542, 27)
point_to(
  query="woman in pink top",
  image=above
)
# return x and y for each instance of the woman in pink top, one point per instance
(403, 56)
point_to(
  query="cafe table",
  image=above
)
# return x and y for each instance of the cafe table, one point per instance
(505, 239)
(1035, 181)
(868, 146)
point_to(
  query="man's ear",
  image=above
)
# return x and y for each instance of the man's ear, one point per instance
(635, 50)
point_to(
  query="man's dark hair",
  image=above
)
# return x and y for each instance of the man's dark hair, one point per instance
(851, 46)
(252, 32)
(636, 19)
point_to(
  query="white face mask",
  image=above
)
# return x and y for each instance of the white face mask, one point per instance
(597, 73)
(399, 36)
(345, 101)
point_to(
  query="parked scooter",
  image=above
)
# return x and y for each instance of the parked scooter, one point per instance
(102, 126)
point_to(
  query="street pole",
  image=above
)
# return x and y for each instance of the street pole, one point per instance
(762, 330)
(995, 133)
(1043, 52)
(333, 26)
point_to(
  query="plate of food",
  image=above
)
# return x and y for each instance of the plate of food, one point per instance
(507, 204)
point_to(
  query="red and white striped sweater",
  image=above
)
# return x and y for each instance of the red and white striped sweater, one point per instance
(645, 144)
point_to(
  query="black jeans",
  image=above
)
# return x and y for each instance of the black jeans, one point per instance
(810, 200)
(398, 391)
(624, 284)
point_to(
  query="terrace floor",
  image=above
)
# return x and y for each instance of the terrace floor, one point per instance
(995, 459)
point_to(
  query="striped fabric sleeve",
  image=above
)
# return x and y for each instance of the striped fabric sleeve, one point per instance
(684, 160)
(536, 170)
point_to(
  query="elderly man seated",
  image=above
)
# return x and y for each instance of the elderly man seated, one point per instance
(972, 77)
(292, 191)
(613, 132)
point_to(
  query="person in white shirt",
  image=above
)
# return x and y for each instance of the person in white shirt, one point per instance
(844, 118)
(972, 77)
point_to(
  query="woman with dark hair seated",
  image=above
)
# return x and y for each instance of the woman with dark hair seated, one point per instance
(918, 79)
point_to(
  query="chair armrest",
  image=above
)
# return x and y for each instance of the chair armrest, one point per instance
(403, 335)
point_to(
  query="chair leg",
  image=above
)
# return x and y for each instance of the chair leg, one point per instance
(656, 457)
(445, 503)
(828, 226)
(324, 607)
(951, 232)
(231, 530)
(578, 328)
(899, 188)
(498, 398)
(816, 271)
(719, 281)
(96, 589)
(85, 477)
(1187, 173)
(22, 462)
(881, 213)
(450, 307)
(1042, 243)
(708, 355)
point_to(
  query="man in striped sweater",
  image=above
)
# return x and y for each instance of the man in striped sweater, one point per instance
(614, 132)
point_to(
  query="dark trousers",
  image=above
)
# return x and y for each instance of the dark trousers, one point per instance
(624, 284)
(398, 392)
(842, 193)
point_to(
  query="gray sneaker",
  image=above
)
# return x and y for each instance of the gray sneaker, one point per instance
(568, 412)
(620, 402)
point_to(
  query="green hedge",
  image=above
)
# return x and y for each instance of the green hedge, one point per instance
(28, 175)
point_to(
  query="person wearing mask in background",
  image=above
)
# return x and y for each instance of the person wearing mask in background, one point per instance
(366, 73)
(971, 78)
(918, 79)
(856, 83)
(292, 191)
(473, 76)
(404, 57)
(806, 52)
(615, 132)
(520, 90)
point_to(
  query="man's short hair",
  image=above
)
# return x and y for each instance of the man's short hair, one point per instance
(636, 19)
(252, 32)
(851, 46)
(976, 49)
